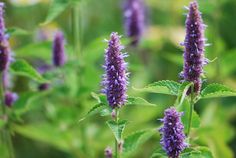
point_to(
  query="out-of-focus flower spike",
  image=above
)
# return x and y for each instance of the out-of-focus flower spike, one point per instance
(134, 20)
(4, 45)
(59, 56)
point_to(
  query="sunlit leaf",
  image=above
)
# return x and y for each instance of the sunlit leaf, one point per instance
(198, 152)
(185, 108)
(24, 102)
(13, 31)
(183, 92)
(56, 8)
(132, 141)
(163, 87)
(35, 50)
(101, 98)
(117, 128)
(138, 101)
(44, 133)
(94, 110)
(106, 111)
(21, 67)
(159, 153)
(217, 90)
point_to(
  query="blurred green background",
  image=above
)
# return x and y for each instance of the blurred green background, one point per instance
(48, 126)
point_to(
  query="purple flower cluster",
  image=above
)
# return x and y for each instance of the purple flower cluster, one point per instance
(194, 44)
(115, 79)
(4, 45)
(59, 56)
(10, 98)
(134, 19)
(108, 152)
(172, 133)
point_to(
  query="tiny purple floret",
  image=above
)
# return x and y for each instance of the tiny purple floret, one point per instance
(108, 152)
(10, 98)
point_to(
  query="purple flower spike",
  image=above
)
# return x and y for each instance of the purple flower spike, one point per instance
(4, 45)
(134, 19)
(59, 56)
(115, 79)
(108, 152)
(194, 44)
(2, 22)
(172, 133)
(10, 98)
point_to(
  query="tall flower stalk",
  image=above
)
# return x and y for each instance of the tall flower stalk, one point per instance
(115, 79)
(4, 62)
(194, 59)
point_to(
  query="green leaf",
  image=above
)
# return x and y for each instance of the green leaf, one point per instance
(117, 128)
(56, 8)
(2, 122)
(94, 110)
(101, 107)
(183, 92)
(45, 133)
(217, 90)
(163, 87)
(132, 141)
(185, 108)
(106, 111)
(199, 152)
(159, 153)
(21, 67)
(101, 98)
(35, 50)
(138, 101)
(14, 31)
(24, 102)
(4, 151)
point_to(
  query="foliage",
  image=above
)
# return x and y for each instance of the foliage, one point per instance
(72, 118)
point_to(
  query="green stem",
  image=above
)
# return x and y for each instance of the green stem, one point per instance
(76, 30)
(191, 109)
(76, 17)
(116, 142)
(5, 133)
